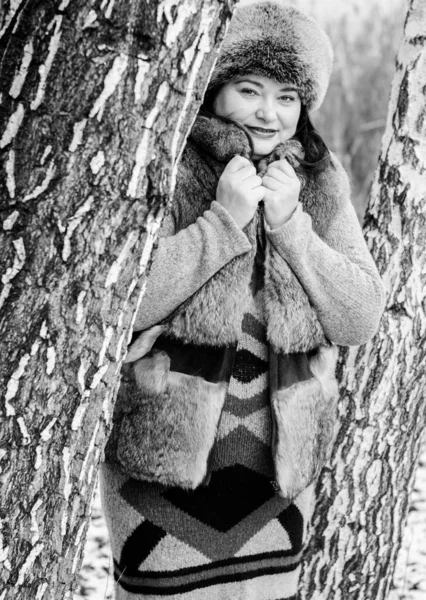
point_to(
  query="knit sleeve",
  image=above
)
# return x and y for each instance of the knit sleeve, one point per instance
(336, 271)
(185, 261)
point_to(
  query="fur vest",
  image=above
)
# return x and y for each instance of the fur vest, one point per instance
(177, 373)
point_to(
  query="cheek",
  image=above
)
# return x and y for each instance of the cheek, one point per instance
(231, 106)
(290, 119)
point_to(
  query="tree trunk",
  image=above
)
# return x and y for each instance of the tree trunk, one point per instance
(96, 101)
(363, 496)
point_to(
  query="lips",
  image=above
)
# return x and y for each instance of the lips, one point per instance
(262, 132)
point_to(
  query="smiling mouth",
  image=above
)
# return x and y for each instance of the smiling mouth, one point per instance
(261, 131)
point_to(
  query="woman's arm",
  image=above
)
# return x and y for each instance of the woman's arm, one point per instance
(336, 271)
(183, 262)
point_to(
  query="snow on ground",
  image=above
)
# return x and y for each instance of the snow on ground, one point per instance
(96, 580)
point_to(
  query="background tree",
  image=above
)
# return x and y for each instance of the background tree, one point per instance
(96, 100)
(363, 497)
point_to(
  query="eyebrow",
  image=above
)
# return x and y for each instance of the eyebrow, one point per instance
(285, 88)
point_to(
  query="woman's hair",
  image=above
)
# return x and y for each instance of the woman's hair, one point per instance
(317, 155)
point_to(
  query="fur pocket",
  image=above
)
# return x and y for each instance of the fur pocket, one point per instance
(304, 422)
(169, 428)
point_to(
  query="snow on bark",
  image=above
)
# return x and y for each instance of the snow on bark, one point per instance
(112, 80)
(50, 172)
(18, 263)
(145, 145)
(44, 69)
(78, 135)
(12, 126)
(96, 104)
(203, 44)
(10, 184)
(363, 495)
(10, 9)
(20, 76)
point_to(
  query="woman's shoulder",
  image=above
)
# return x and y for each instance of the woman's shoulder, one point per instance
(338, 174)
(326, 193)
(331, 181)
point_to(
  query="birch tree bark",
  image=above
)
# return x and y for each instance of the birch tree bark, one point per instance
(96, 100)
(363, 496)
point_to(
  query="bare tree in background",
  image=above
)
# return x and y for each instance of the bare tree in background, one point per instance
(96, 100)
(363, 499)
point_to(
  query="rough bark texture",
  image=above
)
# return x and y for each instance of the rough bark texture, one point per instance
(96, 100)
(363, 496)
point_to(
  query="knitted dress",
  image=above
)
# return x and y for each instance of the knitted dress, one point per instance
(233, 538)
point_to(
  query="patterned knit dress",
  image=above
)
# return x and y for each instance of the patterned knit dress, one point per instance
(232, 539)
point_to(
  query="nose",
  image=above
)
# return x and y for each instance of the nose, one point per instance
(266, 111)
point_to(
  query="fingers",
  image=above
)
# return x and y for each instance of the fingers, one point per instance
(280, 173)
(240, 190)
(237, 163)
(241, 168)
(272, 184)
(283, 166)
(248, 173)
(253, 181)
(277, 174)
(259, 193)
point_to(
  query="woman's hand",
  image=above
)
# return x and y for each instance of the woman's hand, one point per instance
(240, 190)
(282, 193)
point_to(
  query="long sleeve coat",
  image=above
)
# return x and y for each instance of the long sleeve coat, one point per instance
(321, 289)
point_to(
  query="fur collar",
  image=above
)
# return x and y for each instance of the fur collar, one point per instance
(222, 141)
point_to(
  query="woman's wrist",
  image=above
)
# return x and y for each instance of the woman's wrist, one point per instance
(274, 224)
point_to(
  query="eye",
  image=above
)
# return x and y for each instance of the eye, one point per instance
(287, 99)
(248, 91)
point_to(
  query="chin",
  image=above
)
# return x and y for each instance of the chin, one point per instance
(261, 150)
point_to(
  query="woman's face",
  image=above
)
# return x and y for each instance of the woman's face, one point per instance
(268, 110)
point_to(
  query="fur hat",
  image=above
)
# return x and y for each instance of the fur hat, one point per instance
(266, 38)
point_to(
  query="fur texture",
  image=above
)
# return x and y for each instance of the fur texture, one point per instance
(170, 423)
(304, 418)
(277, 42)
(143, 344)
(213, 315)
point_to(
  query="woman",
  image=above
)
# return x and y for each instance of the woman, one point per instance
(226, 411)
